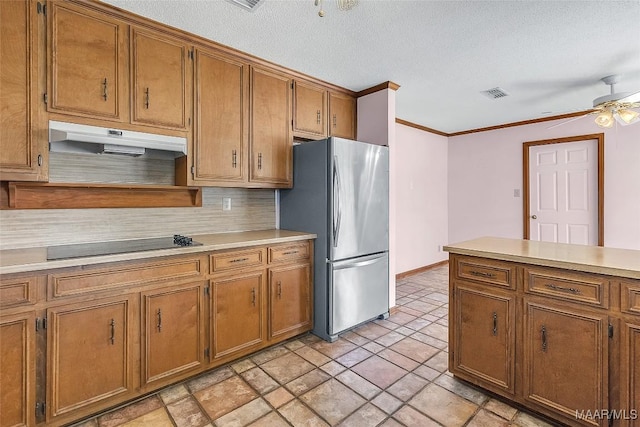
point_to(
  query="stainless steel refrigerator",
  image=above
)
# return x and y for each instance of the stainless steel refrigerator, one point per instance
(341, 193)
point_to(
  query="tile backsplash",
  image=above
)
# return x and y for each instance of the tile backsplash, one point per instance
(251, 209)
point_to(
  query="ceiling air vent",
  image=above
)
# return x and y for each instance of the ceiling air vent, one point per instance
(247, 4)
(495, 93)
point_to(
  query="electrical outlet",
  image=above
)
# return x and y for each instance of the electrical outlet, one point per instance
(226, 203)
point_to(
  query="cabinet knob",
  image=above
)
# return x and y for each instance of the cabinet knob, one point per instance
(534, 216)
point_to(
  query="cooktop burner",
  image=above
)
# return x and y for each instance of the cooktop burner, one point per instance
(118, 247)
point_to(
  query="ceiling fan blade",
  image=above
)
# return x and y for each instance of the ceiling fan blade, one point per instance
(633, 98)
(568, 121)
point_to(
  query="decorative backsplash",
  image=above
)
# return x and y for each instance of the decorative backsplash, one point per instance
(251, 209)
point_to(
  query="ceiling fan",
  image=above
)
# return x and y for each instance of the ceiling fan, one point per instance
(617, 106)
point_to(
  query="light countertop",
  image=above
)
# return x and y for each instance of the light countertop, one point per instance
(35, 259)
(593, 259)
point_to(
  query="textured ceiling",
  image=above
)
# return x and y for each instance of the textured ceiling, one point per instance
(548, 55)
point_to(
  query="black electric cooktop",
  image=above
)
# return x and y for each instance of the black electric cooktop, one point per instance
(118, 247)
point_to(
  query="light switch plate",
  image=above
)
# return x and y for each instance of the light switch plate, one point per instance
(226, 203)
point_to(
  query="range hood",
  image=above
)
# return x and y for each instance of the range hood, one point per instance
(71, 137)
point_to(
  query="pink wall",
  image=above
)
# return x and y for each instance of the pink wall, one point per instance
(485, 168)
(421, 198)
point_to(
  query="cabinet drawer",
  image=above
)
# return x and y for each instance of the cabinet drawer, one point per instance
(498, 273)
(289, 252)
(17, 291)
(224, 261)
(73, 283)
(630, 297)
(582, 288)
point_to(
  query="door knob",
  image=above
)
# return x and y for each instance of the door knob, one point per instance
(534, 217)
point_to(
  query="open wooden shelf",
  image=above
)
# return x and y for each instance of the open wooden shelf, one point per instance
(32, 195)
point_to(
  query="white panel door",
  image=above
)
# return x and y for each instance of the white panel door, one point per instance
(563, 180)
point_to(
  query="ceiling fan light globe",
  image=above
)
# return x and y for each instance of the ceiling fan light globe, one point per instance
(604, 119)
(628, 116)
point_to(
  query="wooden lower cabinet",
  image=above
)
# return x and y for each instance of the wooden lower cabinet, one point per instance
(237, 312)
(565, 344)
(89, 355)
(17, 370)
(566, 359)
(80, 340)
(630, 372)
(173, 332)
(484, 336)
(289, 300)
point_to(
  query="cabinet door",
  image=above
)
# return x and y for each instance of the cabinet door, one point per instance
(309, 111)
(342, 116)
(271, 140)
(87, 63)
(566, 360)
(159, 78)
(173, 331)
(23, 154)
(238, 314)
(17, 376)
(484, 336)
(289, 300)
(222, 119)
(630, 372)
(88, 355)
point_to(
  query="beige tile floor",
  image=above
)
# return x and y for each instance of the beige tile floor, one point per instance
(385, 373)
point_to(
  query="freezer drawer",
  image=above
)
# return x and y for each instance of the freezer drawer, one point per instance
(359, 291)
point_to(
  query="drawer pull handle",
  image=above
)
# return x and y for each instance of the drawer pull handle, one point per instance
(562, 288)
(495, 324)
(159, 325)
(253, 296)
(543, 331)
(279, 290)
(259, 161)
(239, 260)
(234, 157)
(482, 274)
(146, 98)
(112, 339)
(290, 253)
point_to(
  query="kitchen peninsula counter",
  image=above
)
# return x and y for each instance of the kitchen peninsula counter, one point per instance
(591, 259)
(553, 327)
(35, 259)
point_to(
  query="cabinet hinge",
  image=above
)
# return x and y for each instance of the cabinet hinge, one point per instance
(41, 8)
(206, 290)
(41, 323)
(206, 352)
(610, 330)
(193, 170)
(191, 54)
(291, 85)
(40, 408)
(45, 98)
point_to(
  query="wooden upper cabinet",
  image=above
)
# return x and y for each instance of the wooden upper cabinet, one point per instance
(221, 129)
(309, 110)
(158, 79)
(23, 142)
(342, 115)
(271, 140)
(87, 63)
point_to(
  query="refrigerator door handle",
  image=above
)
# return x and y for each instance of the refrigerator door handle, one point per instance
(337, 211)
(366, 261)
